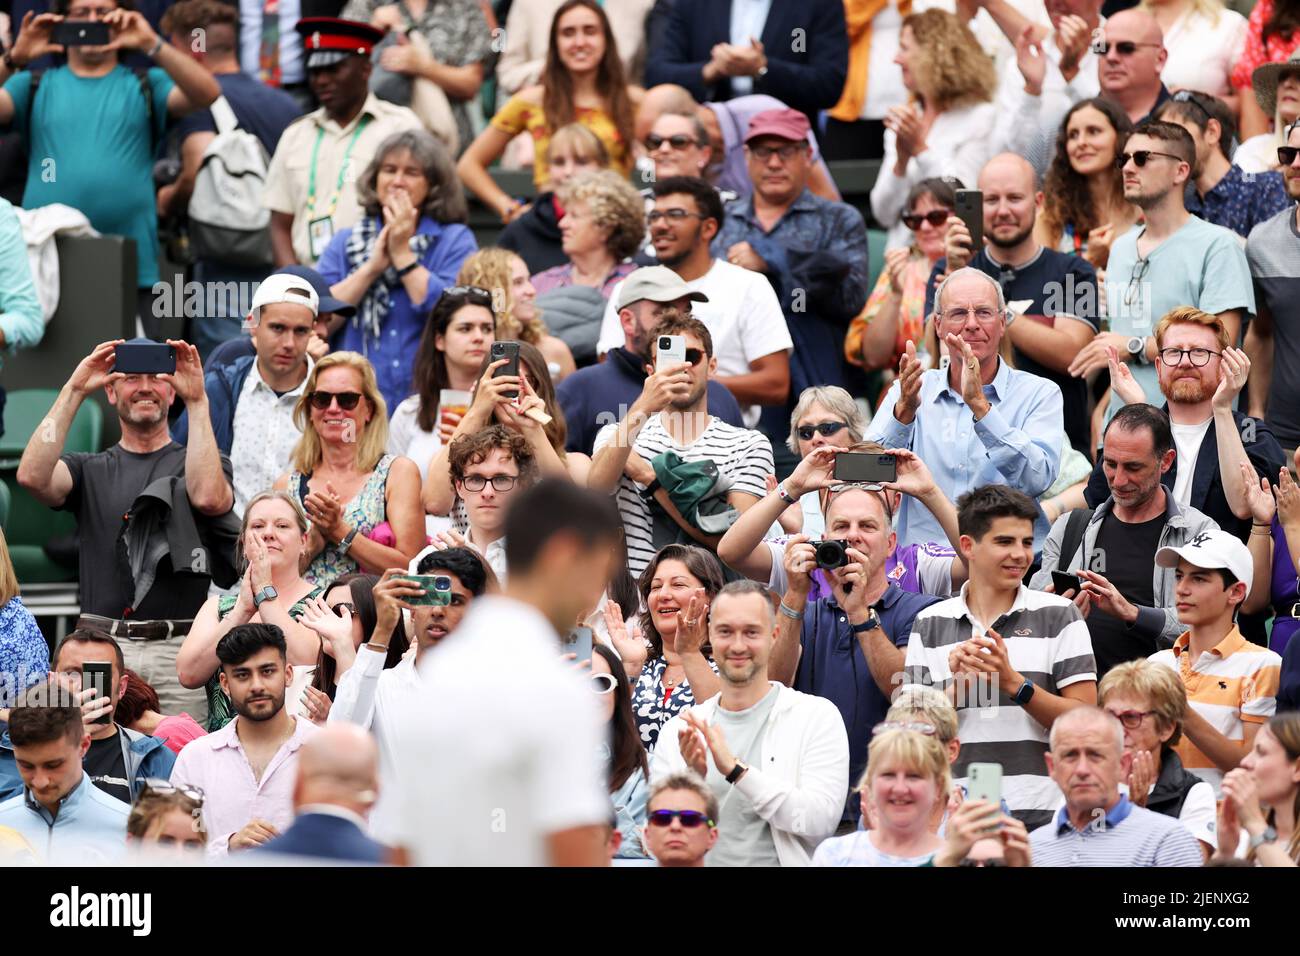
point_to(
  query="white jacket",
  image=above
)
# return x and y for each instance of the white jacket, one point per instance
(40, 228)
(802, 780)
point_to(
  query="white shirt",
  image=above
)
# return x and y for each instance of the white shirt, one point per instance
(743, 316)
(1259, 153)
(494, 554)
(885, 87)
(407, 438)
(1187, 439)
(1020, 115)
(504, 744)
(1202, 53)
(264, 435)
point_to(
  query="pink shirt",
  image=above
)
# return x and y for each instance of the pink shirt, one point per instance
(232, 797)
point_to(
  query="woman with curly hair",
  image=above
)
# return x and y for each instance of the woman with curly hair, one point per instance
(1085, 209)
(505, 275)
(945, 130)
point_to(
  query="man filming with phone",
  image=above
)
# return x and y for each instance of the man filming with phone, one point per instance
(153, 516)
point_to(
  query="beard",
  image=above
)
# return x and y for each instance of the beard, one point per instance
(691, 400)
(243, 709)
(1020, 236)
(1187, 391)
(130, 416)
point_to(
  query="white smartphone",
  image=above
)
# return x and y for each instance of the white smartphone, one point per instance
(984, 782)
(671, 351)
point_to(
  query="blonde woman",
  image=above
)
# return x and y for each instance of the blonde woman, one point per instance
(24, 654)
(167, 819)
(363, 504)
(1204, 41)
(514, 300)
(601, 229)
(945, 130)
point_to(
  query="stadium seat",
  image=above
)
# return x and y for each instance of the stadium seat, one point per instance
(876, 240)
(4, 504)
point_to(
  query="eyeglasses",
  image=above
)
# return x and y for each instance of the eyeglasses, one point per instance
(499, 482)
(690, 818)
(476, 294)
(347, 400)
(982, 863)
(680, 141)
(676, 215)
(825, 429)
(786, 152)
(913, 725)
(1133, 291)
(983, 316)
(1132, 719)
(603, 683)
(1140, 157)
(1286, 154)
(935, 217)
(342, 606)
(1101, 46)
(1198, 357)
(154, 785)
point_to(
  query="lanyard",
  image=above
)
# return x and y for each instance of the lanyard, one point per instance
(343, 168)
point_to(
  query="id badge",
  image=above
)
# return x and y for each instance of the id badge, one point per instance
(319, 233)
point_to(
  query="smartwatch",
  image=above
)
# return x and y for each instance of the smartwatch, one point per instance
(1025, 692)
(267, 593)
(1268, 836)
(739, 769)
(870, 624)
(1137, 349)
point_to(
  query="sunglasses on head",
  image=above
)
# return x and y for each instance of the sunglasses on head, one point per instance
(935, 217)
(1140, 157)
(690, 818)
(1286, 154)
(347, 400)
(158, 786)
(474, 293)
(825, 429)
(679, 141)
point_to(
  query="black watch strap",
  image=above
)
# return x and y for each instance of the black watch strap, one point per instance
(407, 270)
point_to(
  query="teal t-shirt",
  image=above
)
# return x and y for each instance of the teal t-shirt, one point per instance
(91, 149)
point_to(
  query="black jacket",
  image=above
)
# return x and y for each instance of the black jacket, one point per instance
(535, 236)
(1172, 786)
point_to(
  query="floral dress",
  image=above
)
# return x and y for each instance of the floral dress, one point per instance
(365, 512)
(220, 710)
(655, 704)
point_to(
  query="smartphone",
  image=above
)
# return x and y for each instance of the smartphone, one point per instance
(99, 675)
(79, 33)
(1063, 581)
(865, 467)
(984, 782)
(671, 351)
(144, 358)
(579, 641)
(510, 352)
(437, 588)
(970, 209)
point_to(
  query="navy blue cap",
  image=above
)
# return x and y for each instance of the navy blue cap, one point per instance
(327, 302)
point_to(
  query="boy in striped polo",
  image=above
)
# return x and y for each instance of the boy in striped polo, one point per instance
(1231, 683)
(1012, 660)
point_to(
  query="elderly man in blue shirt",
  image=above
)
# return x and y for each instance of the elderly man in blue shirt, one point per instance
(974, 420)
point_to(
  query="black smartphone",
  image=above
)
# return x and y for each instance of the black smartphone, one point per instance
(510, 352)
(970, 209)
(1063, 581)
(579, 641)
(865, 467)
(99, 675)
(79, 33)
(144, 358)
(437, 588)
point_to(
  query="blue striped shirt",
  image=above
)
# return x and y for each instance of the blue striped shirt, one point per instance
(1126, 835)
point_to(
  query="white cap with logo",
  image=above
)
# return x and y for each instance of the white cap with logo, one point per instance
(279, 287)
(1213, 549)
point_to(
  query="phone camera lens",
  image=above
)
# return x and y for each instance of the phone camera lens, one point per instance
(665, 342)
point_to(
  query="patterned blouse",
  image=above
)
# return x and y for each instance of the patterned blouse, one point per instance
(911, 311)
(24, 655)
(220, 710)
(654, 704)
(365, 512)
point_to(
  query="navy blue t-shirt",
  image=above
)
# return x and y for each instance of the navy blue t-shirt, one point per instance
(1053, 282)
(260, 109)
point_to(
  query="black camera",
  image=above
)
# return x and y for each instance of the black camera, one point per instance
(832, 554)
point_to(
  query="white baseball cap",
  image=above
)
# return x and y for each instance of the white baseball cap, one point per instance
(279, 287)
(1213, 549)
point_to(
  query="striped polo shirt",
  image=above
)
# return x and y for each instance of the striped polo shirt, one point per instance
(1232, 684)
(1126, 835)
(1047, 641)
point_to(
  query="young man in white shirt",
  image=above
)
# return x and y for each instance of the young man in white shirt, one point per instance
(776, 759)
(505, 765)
(750, 338)
(672, 414)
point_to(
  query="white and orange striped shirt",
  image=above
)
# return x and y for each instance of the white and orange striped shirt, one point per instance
(1231, 685)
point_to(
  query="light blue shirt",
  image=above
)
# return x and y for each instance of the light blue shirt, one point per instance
(21, 318)
(291, 45)
(90, 827)
(747, 20)
(1018, 443)
(1201, 265)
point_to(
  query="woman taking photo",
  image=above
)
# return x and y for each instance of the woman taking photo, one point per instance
(668, 661)
(363, 504)
(582, 82)
(629, 770)
(1085, 209)
(945, 131)
(394, 263)
(1261, 798)
(273, 541)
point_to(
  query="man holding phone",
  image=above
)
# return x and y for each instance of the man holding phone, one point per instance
(152, 603)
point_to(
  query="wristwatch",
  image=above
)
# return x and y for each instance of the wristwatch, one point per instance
(408, 269)
(346, 541)
(650, 489)
(1267, 836)
(267, 593)
(785, 495)
(1025, 692)
(1137, 349)
(870, 624)
(739, 769)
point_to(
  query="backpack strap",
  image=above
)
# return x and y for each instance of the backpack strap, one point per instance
(146, 90)
(223, 116)
(31, 105)
(1075, 525)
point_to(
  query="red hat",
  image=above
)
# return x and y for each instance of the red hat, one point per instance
(327, 40)
(786, 123)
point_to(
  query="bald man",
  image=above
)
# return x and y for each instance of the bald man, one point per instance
(338, 780)
(1053, 295)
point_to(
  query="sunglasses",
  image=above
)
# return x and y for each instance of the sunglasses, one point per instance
(825, 429)
(1133, 291)
(1124, 47)
(1192, 98)
(474, 293)
(1141, 156)
(694, 356)
(935, 217)
(342, 606)
(1286, 154)
(154, 785)
(603, 683)
(690, 818)
(914, 726)
(982, 863)
(347, 400)
(680, 141)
